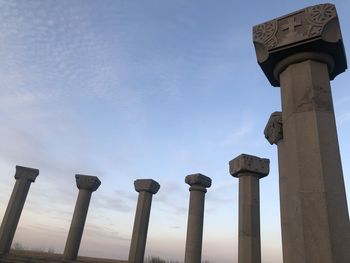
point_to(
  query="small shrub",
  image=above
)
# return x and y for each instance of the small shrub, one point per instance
(18, 246)
(153, 259)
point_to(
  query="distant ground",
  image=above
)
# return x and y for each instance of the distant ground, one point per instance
(23, 256)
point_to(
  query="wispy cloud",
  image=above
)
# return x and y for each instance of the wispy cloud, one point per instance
(237, 135)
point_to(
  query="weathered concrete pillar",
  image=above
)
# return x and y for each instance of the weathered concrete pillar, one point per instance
(24, 177)
(249, 169)
(146, 188)
(301, 53)
(86, 185)
(198, 184)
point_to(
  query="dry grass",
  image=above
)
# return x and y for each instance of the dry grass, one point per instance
(24, 256)
(153, 259)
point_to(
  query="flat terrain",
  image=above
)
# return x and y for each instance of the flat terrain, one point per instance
(22, 256)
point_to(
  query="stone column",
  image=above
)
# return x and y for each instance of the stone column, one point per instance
(198, 184)
(274, 134)
(86, 185)
(24, 177)
(249, 169)
(146, 188)
(301, 52)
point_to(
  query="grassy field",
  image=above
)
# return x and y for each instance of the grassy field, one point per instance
(23, 256)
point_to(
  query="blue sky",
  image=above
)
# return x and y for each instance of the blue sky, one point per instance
(141, 89)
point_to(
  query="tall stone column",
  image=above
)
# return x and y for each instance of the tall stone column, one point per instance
(24, 177)
(249, 169)
(146, 189)
(86, 185)
(274, 134)
(198, 184)
(301, 52)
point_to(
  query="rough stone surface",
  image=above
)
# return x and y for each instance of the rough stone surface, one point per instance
(249, 164)
(301, 52)
(146, 189)
(147, 185)
(249, 247)
(314, 29)
(274, 134)
(274, 129)
(26, 173)
(318, 222)
(198, 183)
(24, 177)
(198, 179)
(249, 169)
(87, 182)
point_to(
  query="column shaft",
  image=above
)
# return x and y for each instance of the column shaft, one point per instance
(318, 221)
(193, 253)
(249, 220)
(77, 225)
(283, 188)
(13, 214)
(139, 234)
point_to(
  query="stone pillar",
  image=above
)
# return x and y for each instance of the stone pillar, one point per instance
(146, 188)
(274, 134)
(249, 169)
(301, 52)
(24, 177)
(198, 184)
(86, 185)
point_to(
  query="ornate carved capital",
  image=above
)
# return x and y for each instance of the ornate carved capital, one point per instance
(248, 164)
(274, 128)
(87, 182)
(313, 29)
(198, 182)
(147, 185)
(26, 173)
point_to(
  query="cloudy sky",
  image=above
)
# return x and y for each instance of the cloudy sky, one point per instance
(141, 89)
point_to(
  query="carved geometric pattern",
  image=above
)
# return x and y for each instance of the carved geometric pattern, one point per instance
(321, 14)
(295, 27)
(265, 33)
(318, 16)
(312, 29)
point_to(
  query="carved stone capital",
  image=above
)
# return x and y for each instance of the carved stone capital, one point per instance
(274, 128)
(246, 164)
(313, 29)
(26, 173)
(147, 185)
(198, 180)
(87, 182)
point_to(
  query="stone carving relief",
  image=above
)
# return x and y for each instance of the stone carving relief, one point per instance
(274, 128)
(301, 25)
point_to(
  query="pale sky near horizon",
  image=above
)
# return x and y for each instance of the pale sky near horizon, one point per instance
(141, 89)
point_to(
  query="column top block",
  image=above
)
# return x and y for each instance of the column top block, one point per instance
(87, 182)
(27, 173)
(198, 179)
(147, 185)
(312, 29)
(274, 129)
(248, 164)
